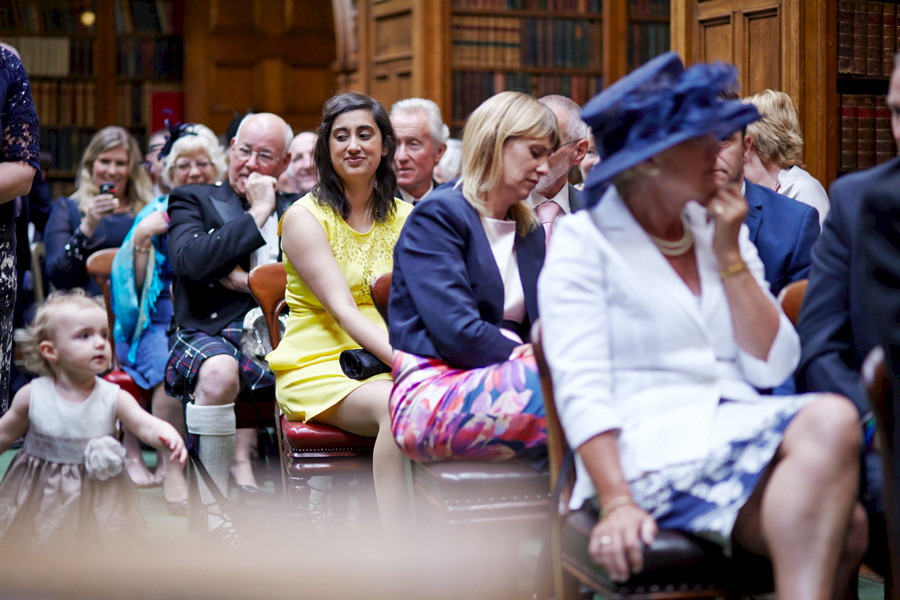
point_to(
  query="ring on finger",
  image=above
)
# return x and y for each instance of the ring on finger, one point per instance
(605, 540)
(718, 209)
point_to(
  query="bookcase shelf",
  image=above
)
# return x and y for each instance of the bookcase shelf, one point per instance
(867, 33)
(460, 52)
(119, 64)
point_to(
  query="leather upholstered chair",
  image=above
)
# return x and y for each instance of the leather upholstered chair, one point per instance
(879, 389)
(99, 266)
(676, 565)
(305, 449)
(460, 497)
(791, 299)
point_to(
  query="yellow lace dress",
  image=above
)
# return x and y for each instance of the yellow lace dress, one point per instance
(308, 376)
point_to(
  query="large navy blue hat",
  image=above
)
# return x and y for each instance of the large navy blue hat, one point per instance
(657, 106)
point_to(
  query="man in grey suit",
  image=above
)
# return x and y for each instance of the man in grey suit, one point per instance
(554, 196)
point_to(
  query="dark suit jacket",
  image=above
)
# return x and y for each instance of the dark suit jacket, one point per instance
(834, 334)
(575, 200)
(784, 231)
(209, 235)
(447, 294)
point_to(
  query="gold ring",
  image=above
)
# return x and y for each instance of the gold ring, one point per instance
(605, 540)
(718, 209)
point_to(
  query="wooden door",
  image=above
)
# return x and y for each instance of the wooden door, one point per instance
(776, 44)
(261, 55)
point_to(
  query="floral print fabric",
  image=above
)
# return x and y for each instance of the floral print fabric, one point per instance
(490, 413)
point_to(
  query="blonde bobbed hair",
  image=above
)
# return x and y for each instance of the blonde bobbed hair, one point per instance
(139, 189)
(43, 327)
(195, 138)
(498, 119)
(776, 137)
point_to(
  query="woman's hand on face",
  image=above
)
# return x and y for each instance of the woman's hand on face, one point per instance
(617, 541)
(729, 209)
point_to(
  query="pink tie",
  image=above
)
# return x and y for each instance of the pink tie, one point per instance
(547, 214)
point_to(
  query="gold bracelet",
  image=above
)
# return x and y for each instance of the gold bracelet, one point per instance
(140, 250)
(617, 502)
(735, 269)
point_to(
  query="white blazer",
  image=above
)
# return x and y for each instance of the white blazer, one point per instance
(631, 348)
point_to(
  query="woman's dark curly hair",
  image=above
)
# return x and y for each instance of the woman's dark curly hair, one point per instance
(330, 190)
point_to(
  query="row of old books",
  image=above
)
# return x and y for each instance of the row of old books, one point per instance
(157, 58)
(43, 16)
(471, 88)
(146, 16)
(867, 37)
(646, 40)
(64, 103)
(65, 146)
(865, 137)
(592, 6)
(641, 9)
(483, 41)
(55, 56)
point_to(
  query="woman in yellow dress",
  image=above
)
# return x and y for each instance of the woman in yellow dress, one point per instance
(336, 240)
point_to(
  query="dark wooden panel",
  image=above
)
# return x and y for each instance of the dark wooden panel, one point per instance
(717, 40)
(763, 65)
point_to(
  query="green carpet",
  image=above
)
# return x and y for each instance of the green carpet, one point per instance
(163, 526)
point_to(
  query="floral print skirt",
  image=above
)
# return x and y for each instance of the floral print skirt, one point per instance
(704, 497)
(7, 304)
(490, 413)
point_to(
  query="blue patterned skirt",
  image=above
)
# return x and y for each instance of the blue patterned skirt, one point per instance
(704, 497)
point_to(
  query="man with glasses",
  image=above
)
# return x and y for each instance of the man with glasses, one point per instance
(218, 233)
(554, 196)
(154, 164)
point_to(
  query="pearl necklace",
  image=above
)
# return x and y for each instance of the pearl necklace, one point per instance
(678, 247)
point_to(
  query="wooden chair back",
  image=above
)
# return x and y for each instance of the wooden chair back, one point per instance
(99, 266)
(37, 273)
(268, 284)
(791, 298)
(381, 292)
(557, 446)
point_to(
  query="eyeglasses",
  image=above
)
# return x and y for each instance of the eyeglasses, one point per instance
(561, 146)
(263, 157)
(184, 167)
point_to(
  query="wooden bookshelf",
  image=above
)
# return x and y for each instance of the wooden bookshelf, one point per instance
(460, 52)
(810, 50)
(94, 63)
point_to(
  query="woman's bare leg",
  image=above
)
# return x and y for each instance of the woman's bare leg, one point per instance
(170, 410)
(365, 412)
(800, 513)
(241, 467)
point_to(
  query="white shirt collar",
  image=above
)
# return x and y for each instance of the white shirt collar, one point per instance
(406, 196)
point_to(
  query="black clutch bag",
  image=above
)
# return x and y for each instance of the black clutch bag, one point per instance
(361, 364)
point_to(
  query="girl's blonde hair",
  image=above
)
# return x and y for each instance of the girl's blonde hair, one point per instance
(43, 326)
(498, 119)
(776, 137)
(196, 138)
(139, 190)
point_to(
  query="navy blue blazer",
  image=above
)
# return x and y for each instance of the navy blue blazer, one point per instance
(834, 334)
(783, 231)
(446, 297)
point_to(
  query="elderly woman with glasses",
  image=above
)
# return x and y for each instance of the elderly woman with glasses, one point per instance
(141, 278)
(659, 328)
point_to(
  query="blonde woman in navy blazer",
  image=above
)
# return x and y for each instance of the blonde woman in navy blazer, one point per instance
(658, 326)
(464, 296)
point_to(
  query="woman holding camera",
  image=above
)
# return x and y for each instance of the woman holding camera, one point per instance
(112, 188)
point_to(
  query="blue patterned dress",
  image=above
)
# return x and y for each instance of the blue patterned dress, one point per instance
(19, 123)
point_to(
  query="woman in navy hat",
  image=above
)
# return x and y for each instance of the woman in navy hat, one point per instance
(659, 329)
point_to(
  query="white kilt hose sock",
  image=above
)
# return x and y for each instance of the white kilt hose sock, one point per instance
(216, 427)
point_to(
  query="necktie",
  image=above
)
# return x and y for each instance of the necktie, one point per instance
(547, 214)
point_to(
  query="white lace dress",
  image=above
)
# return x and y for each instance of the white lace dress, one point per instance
(48, 497)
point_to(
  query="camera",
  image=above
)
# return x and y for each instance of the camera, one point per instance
(107, 188)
